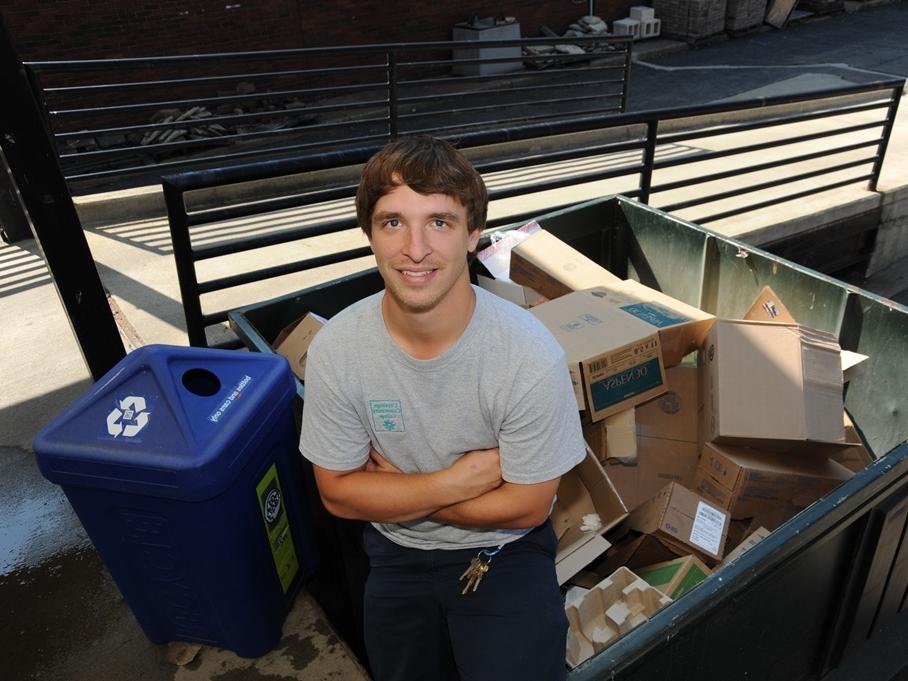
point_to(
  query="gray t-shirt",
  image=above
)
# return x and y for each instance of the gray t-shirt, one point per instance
(503, 384)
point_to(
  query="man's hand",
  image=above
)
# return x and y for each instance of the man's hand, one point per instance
(477, 472)
(378, 463)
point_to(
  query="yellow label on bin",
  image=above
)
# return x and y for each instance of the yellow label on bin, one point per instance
(277, 527)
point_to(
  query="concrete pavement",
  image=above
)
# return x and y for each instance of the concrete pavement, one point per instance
(62, 615)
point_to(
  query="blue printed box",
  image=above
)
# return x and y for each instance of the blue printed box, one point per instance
(614, 358)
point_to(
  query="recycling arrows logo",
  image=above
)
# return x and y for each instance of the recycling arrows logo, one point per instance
(128, 418)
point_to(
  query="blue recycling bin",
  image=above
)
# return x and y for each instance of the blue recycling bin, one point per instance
(183, 466)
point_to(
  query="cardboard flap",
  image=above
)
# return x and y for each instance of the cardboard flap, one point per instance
(768, 307)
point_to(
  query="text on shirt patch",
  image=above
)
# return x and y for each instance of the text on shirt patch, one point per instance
(387, 416)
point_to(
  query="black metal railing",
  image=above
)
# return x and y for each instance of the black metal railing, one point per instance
(802, 145)
(128, 121)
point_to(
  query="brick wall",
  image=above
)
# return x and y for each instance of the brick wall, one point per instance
(87, 29)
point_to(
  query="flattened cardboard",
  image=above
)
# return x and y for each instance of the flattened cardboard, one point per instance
(614, 359)
(684, 521)
(673, 415)
(293, 341)
(747, 482)
(546, 264)
(769, 384)
(749, 542)
(658, 463)
(675, 577)
(584, 489)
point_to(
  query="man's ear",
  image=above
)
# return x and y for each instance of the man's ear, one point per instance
(474, 239)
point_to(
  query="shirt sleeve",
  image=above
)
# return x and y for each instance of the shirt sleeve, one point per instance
(541, 437)
(333, 435)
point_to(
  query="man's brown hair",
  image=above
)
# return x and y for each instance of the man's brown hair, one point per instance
(428, 166)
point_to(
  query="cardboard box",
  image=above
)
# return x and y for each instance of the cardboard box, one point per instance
(546, 264)
(745, 482)
(767, 384)
(610, 609)
(672, 415)
(293, 341)
(675, 577)
(684, 522)
(614, 438)
(768, 307)
(633, 551)
(682, 328)
(517, 294)
(749, 542)
(614, 359)
(658, 463)
(583, 490)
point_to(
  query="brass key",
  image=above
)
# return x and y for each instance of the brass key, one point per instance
(477, 568)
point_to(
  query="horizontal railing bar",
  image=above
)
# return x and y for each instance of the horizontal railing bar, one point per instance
(700, 179)
(222, 157)
(226, 99)
(188, 123)
(506, 193)
(537, 118)
(775, 182)
(104, 87)
(232, 247)
(281, 270)
(539, 160)
(403, 82)
(220, 139)
(504, 105)
(769, 122)
(710, 155)
(474, 61)
(773, 202)
(81, 64)
(214, 215)
(499, 91)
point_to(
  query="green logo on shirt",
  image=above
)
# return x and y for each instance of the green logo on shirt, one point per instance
(387, 416)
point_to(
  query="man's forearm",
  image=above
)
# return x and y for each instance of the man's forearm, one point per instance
(509, 506)
(388, 497)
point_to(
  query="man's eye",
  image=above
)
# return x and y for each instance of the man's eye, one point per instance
(393, 223)
(439, 224)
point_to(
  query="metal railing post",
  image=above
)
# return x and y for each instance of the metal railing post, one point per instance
(625, 85)
(392, 95)
(649, 158)
(887, 131)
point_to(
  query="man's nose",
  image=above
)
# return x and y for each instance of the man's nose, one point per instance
(417, 246)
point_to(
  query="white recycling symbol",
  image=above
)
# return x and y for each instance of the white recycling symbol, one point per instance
(128, 418)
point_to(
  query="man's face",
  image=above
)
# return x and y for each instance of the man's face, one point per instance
(421, 244)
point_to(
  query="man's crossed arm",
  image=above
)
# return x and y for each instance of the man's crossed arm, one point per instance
(470, 493)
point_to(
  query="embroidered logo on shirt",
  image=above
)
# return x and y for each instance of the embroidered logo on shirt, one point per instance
(387, 416)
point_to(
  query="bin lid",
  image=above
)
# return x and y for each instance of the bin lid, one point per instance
(167, 421)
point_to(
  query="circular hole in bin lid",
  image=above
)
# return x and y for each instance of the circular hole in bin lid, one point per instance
(201, 382)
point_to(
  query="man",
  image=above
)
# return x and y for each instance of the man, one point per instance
(445, 416)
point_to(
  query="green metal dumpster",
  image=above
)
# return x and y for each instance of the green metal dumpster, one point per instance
(824, 595)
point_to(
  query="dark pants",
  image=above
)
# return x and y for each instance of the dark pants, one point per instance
(419, 626)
